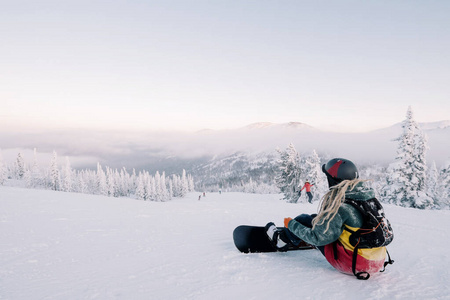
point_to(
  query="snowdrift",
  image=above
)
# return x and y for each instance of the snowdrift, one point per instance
(56, 245)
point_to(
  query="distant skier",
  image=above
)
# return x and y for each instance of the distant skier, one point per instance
(331, 230)
(307, 186)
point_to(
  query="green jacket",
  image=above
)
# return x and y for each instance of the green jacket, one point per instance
(346, 215)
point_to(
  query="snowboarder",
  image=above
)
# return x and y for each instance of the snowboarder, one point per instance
(307, 186)
(326, 230)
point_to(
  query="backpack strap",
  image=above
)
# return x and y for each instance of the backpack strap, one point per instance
(365, 275)
(360, 275)
(388, 262)
(335, 253)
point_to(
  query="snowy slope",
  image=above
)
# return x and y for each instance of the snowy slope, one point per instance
(56, 245)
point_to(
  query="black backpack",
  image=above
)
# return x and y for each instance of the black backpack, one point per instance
(376, 231)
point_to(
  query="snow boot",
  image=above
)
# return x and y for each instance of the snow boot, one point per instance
(276, 236)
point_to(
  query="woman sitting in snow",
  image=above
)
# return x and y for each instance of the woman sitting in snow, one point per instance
(326, 230)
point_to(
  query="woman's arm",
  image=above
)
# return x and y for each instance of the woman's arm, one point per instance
(318, 236)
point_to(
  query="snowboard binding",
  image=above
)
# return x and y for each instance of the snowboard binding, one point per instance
(283, 240)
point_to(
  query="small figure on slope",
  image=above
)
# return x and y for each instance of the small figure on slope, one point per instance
(307, 186)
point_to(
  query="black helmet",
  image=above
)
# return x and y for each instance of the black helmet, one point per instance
(339, 169)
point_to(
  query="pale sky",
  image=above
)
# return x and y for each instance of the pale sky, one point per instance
(190, 65)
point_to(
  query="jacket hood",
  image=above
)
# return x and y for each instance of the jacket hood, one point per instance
(361, 192)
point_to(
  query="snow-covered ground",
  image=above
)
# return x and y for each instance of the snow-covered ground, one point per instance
(56, 245)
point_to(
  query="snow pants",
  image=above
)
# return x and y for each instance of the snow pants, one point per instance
(310, 196)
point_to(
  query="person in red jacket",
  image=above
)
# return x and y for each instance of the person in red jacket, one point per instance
(308, 186)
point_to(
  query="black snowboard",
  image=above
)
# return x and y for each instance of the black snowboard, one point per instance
(253, 239)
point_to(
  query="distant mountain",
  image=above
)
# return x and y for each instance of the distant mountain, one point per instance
(235, 170)
(260, 125)
(429, 126)
(249, 152)
(218, 154)
(435, 125)
(290, 125)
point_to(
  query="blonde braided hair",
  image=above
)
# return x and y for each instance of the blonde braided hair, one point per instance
(332, 200)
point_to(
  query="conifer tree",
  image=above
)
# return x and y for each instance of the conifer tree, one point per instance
(314, 175)
(36, 177)
(140, 189)
(158, 187)
(170, 188)
(191, 185)
(405, 183)
(125, 183)
(288, 179)
(67, 180)
(420, 162)
(184, 184)
(152, 188)
(20, 166)
(2, 170)
(82, 186)
(176, 185)
(165, 192)
(443, 193)
(102, 187)
(433, 181)
(54, 180)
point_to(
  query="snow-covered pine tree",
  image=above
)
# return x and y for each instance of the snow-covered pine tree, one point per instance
(102, 187)
(405, 183)
(433, 182)
(2, 170)
(133, 181)
(191, 184)
(67, 180)
(443, 188)
(90, 179)
(170, 188)
(184, 184)
(314, 175)
(112, 182)
(165, 191)
(20, 166)
(27, 178)
(175, 185)
(54, 175)
(36, 176)
(140, 188)
(82, 186)
(151, 188)
(422, 200)
(420, 162)
(288, 178)
(249, 187)
(125, 183)
(158, 188)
